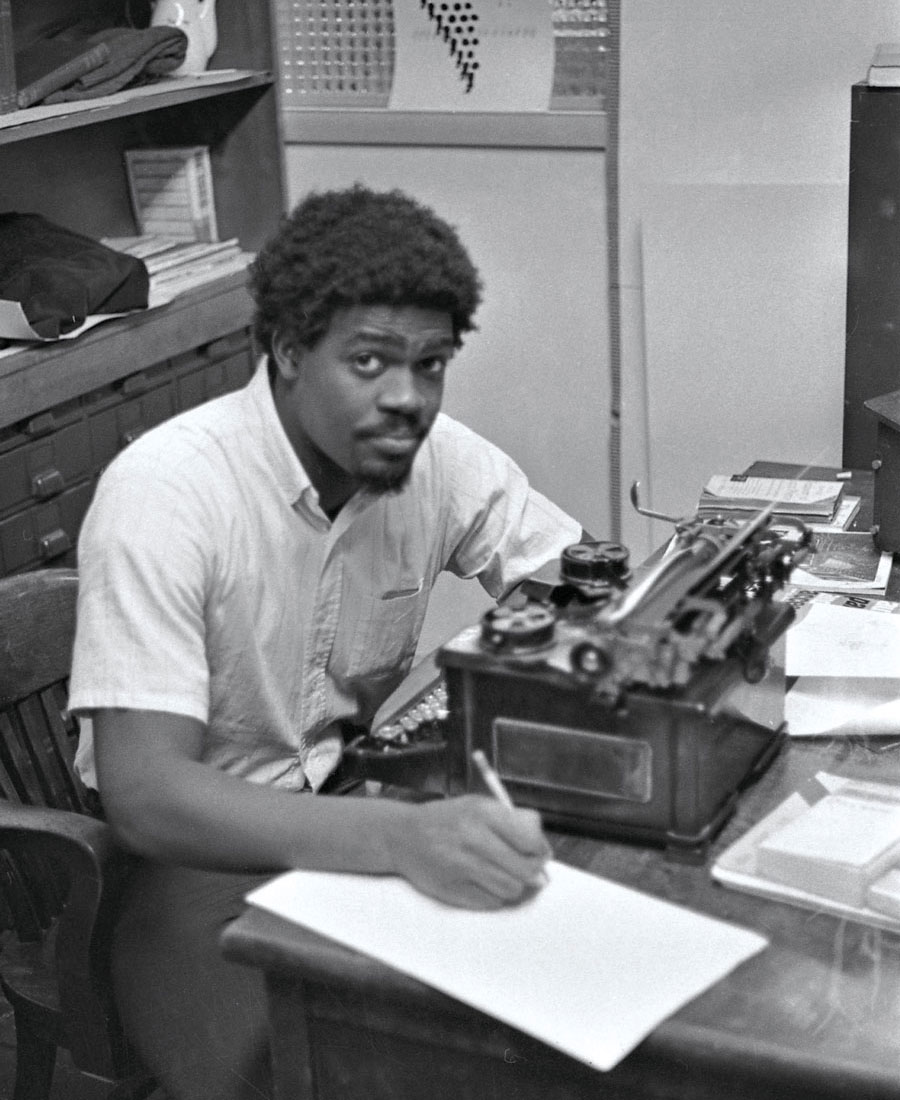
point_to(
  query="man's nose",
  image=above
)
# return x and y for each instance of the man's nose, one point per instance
(400, 390)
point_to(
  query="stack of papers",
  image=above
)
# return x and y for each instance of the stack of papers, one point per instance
(812, 499)
(845, 653)
(833, 880)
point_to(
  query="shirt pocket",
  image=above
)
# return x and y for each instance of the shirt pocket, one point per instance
(384, 629)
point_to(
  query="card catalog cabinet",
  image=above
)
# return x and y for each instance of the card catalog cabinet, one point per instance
(50, 462)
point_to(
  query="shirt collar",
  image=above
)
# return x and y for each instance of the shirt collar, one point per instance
(282, 459)
(286, 467)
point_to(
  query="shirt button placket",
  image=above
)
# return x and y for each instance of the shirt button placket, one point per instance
(327, 614)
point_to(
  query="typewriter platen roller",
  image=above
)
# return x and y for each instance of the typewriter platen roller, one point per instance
(633, 705)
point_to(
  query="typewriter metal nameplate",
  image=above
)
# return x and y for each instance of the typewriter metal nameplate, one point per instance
(546, 756)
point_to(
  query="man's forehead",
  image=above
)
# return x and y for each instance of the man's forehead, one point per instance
(393, 324)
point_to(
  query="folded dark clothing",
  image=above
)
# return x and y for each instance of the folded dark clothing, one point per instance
(66, 74)
(60, 277)
(128, 56)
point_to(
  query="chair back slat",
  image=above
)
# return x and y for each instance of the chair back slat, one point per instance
(18, 759)
(62, 730)
(51, 767)
(8, 783)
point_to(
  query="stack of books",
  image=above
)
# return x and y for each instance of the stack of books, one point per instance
(176, 266)
(820, 504)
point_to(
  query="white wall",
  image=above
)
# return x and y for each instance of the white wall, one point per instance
(534, 378)
(733, 181)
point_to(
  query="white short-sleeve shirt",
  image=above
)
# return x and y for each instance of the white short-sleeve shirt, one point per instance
(212, 585)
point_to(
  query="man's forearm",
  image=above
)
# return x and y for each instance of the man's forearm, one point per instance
(199, 816)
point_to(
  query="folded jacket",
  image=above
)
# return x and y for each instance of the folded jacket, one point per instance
(76, 65)
(66, 74)
(60, 277)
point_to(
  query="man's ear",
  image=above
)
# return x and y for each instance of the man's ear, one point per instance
(287, 356)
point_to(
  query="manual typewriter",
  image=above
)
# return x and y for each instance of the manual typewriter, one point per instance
(630, 704)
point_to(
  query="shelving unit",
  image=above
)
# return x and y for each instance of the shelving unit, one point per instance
(67, 407)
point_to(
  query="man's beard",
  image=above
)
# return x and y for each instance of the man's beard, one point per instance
(384, 483)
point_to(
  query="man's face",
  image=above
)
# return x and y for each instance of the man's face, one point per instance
(358, 404)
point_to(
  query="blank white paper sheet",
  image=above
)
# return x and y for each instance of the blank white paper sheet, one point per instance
(586, 965)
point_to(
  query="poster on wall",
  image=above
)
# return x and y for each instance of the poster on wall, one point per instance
(472, 55)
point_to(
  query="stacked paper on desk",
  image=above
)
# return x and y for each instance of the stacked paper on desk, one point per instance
(847, 660)
(846, 873)
(585, 965)
(788, 496)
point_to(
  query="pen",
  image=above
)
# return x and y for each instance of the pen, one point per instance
(494, 784)
(492, 781)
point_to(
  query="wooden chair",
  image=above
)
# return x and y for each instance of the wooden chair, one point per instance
(60, 870)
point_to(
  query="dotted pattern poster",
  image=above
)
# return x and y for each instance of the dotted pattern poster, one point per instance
(472, 55)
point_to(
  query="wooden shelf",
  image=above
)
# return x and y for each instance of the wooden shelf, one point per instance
(47, 374)
(41, 120)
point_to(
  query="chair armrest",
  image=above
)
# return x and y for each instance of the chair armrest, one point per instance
(97, 870)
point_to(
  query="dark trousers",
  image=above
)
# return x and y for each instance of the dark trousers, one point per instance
(198, 1022)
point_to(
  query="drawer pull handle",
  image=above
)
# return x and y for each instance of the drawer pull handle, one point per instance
(136, 383)
(47, 484)
(53, 544)
(41, 424)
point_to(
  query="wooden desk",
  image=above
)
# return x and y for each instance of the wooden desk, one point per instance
(815, 1016)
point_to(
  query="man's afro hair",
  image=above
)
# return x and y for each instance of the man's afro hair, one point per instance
(352, 247)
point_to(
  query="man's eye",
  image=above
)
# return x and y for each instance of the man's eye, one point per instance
(433, 367)
(368, 363)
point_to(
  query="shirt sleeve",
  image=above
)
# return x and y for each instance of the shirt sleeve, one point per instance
(142, 579)
(502, 529)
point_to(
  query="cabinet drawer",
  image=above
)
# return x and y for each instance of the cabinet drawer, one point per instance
(228, 374)
(42, 469)
(114, 428)
(45, 534)
(213, 370)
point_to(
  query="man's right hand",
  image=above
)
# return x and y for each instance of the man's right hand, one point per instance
(471, 851)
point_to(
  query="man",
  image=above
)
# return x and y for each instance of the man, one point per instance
(254, 573)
